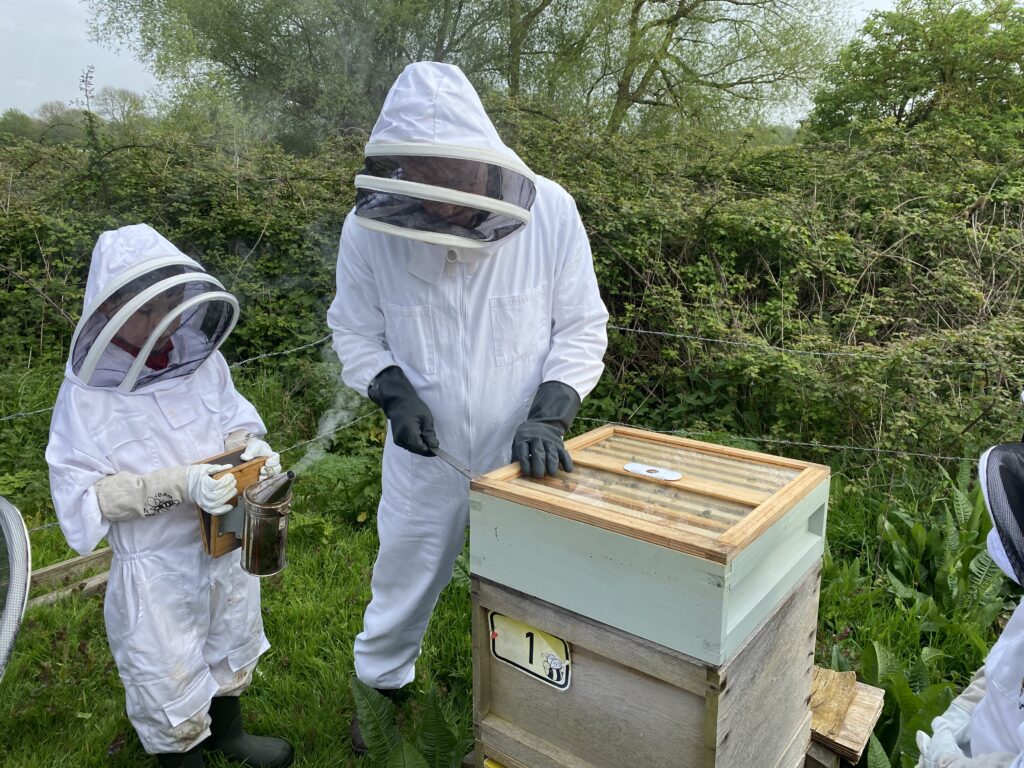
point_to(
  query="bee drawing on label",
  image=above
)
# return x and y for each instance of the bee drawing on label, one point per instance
(159, 502)
(554, 667)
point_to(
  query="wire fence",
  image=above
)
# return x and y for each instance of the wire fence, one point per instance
(762, 346)
(832, 447)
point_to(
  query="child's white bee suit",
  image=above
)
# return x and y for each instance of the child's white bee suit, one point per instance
(129, 420)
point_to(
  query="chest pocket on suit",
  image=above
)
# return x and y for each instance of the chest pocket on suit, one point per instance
(410, 335)
(520, 324)
(129, 445)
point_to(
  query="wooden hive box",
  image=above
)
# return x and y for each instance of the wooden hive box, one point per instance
(215, 541)
(674, 585)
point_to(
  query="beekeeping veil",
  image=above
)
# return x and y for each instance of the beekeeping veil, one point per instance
(1001, 474)
(436, 170)
(15, 567)
(151, 313)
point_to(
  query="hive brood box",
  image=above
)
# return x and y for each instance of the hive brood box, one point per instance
(680, 579)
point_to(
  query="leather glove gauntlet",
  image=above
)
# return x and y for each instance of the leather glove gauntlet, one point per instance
(538, 445)
(412, 423)
(125, 495)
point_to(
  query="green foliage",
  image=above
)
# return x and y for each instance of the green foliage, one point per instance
(341, 487)
(313, 68)
(917, 610)
(436, 745)
(938, 62)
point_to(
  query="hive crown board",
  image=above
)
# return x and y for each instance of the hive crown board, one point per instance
(688, 544)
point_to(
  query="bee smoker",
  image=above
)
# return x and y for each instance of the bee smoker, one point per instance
(265, 530)
(260, 520)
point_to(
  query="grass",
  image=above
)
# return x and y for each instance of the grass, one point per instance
(61, 703)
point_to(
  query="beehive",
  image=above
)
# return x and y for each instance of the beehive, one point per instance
(681, 580)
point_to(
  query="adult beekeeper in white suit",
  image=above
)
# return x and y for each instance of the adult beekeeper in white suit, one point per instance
(145, 395)
(468, 310)
(984, 726)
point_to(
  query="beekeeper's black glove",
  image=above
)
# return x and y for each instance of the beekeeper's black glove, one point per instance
(537, 445)
(412, 423)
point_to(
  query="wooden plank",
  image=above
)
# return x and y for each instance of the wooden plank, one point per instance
(642, 655)
(703, 487)
(763, 573)
(85, 588)
(767, 684)
(710, 747)
(723, 450)
(581, 442)
(644, 530)
(831, 696)
(70, 569)
(795, 754)
(668, 597)
(862, 714)
(505, 741)
(761, 518)
(481, 667)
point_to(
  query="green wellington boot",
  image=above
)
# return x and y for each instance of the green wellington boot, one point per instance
(228, 737)
(191, 759)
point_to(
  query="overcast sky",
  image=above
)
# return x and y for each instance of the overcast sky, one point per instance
(44, 47)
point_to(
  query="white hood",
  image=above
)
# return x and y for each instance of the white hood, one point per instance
(435, 105)
(121, 257)
(433, 112)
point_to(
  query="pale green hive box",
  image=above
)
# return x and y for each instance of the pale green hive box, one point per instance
(687, 544)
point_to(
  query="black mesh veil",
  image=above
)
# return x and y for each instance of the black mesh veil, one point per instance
(15, 568)
(446, 200)
(162, 325)
(1001, 473)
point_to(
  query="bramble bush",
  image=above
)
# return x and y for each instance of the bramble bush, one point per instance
(853, 304)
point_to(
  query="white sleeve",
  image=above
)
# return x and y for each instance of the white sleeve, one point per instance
(579, 318)
(74, 472)
(356, 318)
(991, 760)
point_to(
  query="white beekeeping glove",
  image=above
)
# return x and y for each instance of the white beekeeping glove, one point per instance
(255, 448)
(125, 495)
(207, 493)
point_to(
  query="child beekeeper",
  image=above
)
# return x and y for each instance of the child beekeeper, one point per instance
(145, 395)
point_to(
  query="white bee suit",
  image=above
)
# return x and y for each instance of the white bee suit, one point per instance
(183, 627)
(476, 331)
(984, 726)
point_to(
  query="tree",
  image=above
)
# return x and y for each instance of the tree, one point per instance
(17, 123)
(927, 61)
(60, 122)
(703, 60)
(119, 106)
(326, 65)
